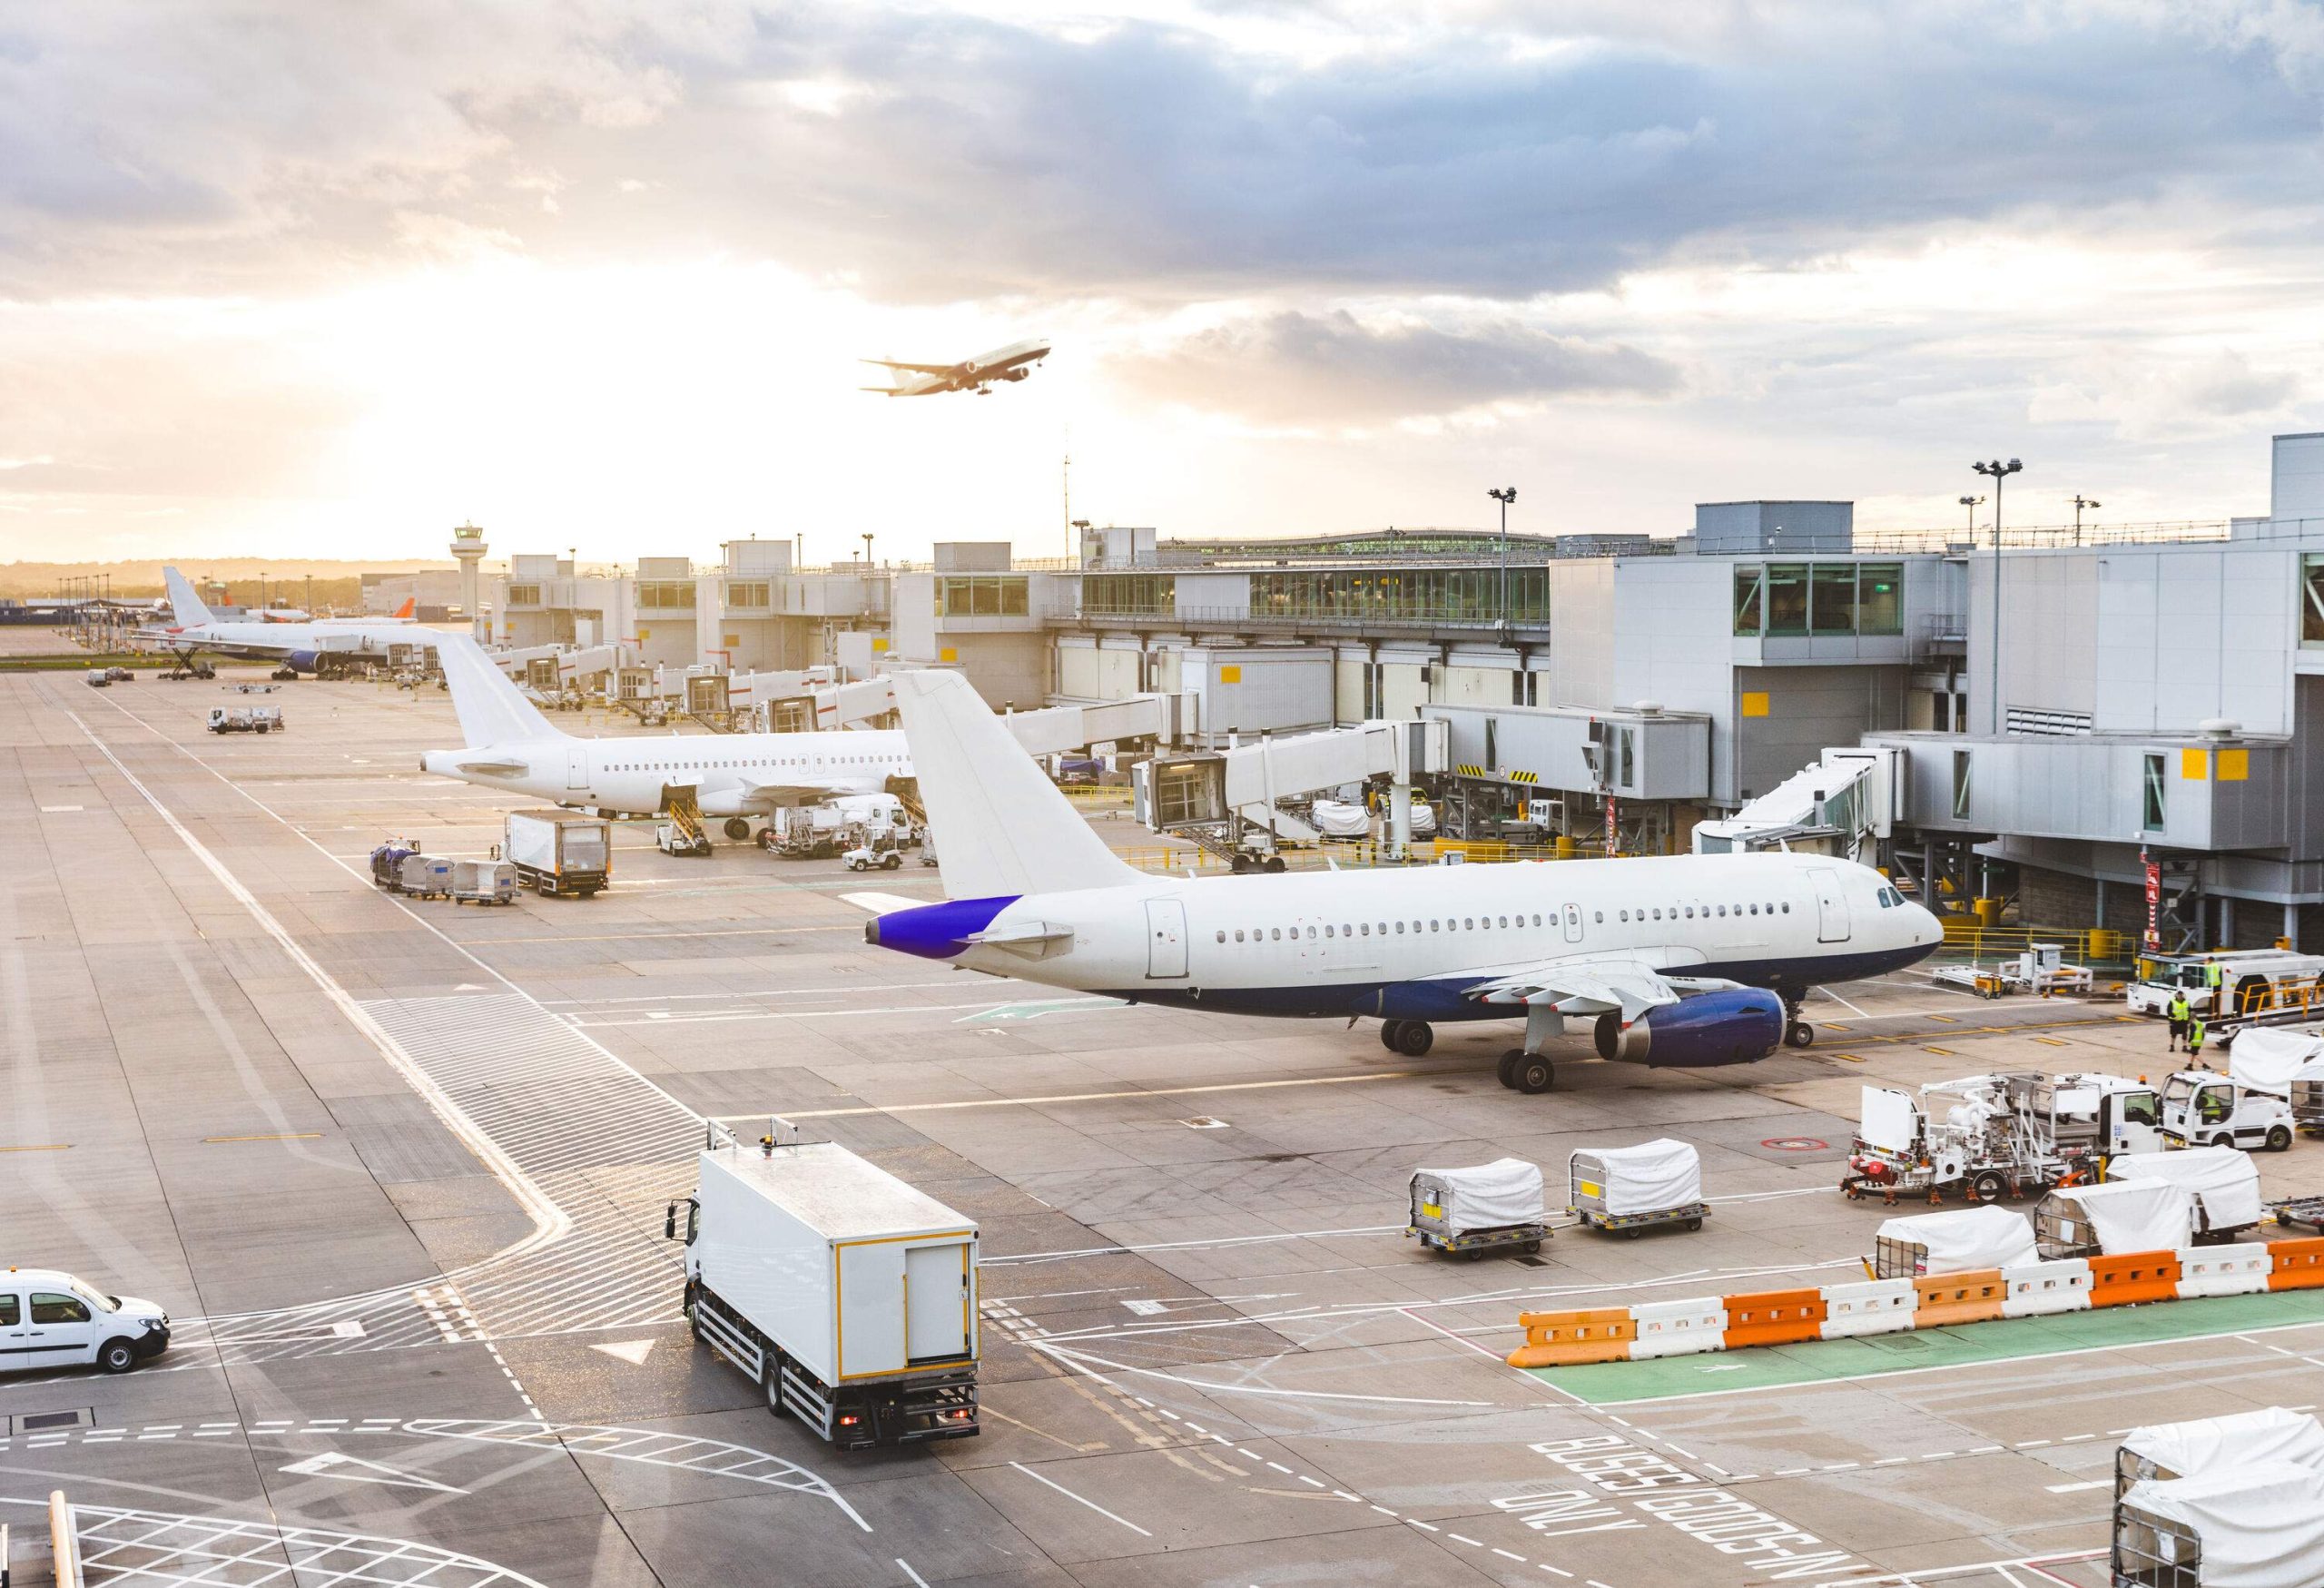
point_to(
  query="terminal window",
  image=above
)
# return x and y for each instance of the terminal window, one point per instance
(2312, 603)
(1790, 598)
(665, 595)
(2152, 807)
(750, 592)
(982, 596)
(524, 595)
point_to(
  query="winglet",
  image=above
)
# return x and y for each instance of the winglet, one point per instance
(186, 609)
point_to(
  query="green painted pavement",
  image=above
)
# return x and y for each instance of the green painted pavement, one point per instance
(1821, 1361)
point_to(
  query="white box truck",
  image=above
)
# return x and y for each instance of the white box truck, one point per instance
(559, 852)
(847, 1296)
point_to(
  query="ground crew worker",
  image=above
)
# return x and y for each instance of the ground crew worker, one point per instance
(2214, 977)
(2177, 1011)
(2195, 1040)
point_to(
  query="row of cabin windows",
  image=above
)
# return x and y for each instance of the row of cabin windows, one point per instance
(745, 765)
(1489, 923)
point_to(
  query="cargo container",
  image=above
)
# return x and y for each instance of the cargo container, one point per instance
(559, 852)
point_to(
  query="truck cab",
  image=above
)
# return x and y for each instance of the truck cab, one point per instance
(49, 1319)
(2201, 1108)
(2251, 980)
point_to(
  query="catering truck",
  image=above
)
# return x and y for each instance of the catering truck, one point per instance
(2250, 981)
(845, 1295)
(559, 852)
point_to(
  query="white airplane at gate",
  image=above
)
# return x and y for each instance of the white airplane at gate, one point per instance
(193, 630)
(511, 745)
(1673, 961)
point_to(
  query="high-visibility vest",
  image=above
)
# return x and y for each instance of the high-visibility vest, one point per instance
(2195, 1035)
(2213, 973)
(2179, 1007)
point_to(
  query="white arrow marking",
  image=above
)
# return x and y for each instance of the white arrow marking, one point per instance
(632, 1352)
(331, 1464)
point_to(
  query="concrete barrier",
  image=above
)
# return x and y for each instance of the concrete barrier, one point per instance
(1975, 1296)
(2299, 1264)
(1867, 1307)
(2040, 1289)
(1773, 1318)
(1565, 1339)
(2224, 1270)
(2131, 1278)
(1679, 1328)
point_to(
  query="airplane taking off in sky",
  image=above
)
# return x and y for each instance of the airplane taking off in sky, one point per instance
(1673, 961)
(1013, 362)
(511, 746)
(300, 647)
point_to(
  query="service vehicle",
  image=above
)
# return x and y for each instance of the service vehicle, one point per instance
(1490, 1207)
(671, 838)
(559, 852)
(50, 1319)
(99, 677)
(881, 849)
(820, 831)
(2002, 1135)
(121, 675)
(1633, 1189)
(2251, 982)
(245, 719)
(2202, 1108)
(847, 1296)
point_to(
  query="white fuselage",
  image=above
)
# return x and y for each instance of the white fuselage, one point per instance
(733, 774)
(1405, 943)
(336, 635)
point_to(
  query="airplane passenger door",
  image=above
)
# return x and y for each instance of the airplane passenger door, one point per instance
(1573, 923)
(577, 769)
(1831, 905)
(1166, 939)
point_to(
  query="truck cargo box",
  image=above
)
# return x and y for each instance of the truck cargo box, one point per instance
(561, 852)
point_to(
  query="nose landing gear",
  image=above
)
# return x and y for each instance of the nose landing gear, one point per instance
(1796, 1032)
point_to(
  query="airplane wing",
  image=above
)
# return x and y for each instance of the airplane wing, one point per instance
(1590, 986)
(789, 793)
(226, 647)
(489, 767)
(915, 368)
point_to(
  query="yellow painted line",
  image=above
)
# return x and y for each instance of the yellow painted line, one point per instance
(1942, 1053)
(1850, 1057)
(1092, 1097)
(298, 1136)
(1830, 1026)
(1945, 1018)
(2050, 1042)
(43, 1146)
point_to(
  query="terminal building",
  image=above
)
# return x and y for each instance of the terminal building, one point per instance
(2157, 688)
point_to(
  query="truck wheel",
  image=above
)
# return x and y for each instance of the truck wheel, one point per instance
(766, 839)
(2224, 1138)
(891, 862)
(116, 1356)
(547, 889)
(2279, 1139)
(1990, 1185)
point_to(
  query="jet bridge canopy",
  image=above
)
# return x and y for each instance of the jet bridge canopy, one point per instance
(1838, 806)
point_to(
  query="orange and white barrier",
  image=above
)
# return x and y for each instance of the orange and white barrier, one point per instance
(1652, 1329)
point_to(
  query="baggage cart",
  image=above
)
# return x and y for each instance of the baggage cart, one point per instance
(1492, 1207)
(1633, 1189)
(2308, 1098)
(2254, 1525)
(2299, 1212)
(1956, 1242)
(425, 876)
(484, 881)
(2164, 1451)
(387, 864)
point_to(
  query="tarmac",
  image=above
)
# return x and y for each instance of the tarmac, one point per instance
(398, 1169)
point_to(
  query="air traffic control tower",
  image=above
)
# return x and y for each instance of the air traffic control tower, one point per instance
(467, 545)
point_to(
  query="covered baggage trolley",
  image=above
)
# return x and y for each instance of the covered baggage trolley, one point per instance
(2308, 1097)
(2163, 1450)
(1636, 1189)
(2258, 1525)
(426, 877)
(2122, 1216)
(1959, 1241)
(2224, 1181)
(1490, 1207)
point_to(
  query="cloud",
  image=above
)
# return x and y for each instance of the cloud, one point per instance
(1482, 149)
(2155, 397)
(1329, 370)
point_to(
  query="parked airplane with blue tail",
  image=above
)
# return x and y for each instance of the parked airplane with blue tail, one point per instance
(1673, 961)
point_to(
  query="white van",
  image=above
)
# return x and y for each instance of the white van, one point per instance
(50, 1319)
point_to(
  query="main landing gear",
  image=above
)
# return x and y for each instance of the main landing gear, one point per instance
(1529, 1074)
(1412, 1038)
(1796, 1032)
(738, 829)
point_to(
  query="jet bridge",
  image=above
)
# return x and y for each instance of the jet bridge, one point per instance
(1842, 806)
(1217, 799)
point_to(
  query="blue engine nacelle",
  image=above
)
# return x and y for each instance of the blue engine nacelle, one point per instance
(1737, 1027)
(304, 661)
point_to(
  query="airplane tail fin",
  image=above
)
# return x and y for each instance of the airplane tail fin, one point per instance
(185, 607)
(999, 824)
(410, 604)
(491, 709)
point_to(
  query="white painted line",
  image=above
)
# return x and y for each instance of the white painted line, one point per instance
(1069, 1495)
(1076, 1096)
(2078, 1488)
(915, 1576)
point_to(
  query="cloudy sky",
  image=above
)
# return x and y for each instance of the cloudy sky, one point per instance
(289, 279)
